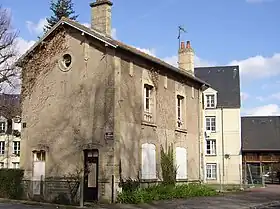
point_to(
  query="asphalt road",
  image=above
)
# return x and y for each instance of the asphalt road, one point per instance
(262, 198)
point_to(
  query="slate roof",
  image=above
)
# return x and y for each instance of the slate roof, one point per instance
(225, 80)
(10, 105)
(260, 133)
(113, 43)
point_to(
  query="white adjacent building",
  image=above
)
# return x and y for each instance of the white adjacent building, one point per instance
(222, 138)
(10, 131)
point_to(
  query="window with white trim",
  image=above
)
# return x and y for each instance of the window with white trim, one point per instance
(180, 102)
(181, 163)
(211, 123)
(210, 147)
(210, 101)
(2, 147)
(16, 147)
(15, 165)
(148, 170)
(39, 156)
(148, 103)
(2, 127)
(211, 171)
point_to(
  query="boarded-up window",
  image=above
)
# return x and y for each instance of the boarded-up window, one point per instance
(181, 163)
(148, 161)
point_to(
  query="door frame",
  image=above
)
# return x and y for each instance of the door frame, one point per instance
(95, 159)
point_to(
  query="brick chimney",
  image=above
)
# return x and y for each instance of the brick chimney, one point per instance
(186, 57)
(101, 16)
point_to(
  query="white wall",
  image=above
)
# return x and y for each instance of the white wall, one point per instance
(229, 171)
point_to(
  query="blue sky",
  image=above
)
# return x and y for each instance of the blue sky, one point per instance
(222, 32)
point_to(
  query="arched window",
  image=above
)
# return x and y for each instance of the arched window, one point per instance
(148, 161)
(181, 163)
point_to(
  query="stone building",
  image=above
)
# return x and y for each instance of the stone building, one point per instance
(222, 144)
(10, 130)
(90, 102)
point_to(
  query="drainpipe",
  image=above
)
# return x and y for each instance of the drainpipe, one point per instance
(223, 148)
(199, 137)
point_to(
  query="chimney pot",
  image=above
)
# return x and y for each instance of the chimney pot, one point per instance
(188, 45)
(182, 45)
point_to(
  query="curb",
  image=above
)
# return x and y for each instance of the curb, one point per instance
(265, 205)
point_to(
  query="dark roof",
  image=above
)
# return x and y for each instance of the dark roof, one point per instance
(113, 43)
(10, 105)
(225, 80)
(260, 133)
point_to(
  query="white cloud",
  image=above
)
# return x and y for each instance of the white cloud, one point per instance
(36, 28)
(266, 110)
(23, 45)
(198, 62)
(114, 33)
(150, 51)
(244, 96)
(258, 1)
(259, 66)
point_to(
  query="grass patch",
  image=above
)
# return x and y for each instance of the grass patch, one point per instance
(165, 192)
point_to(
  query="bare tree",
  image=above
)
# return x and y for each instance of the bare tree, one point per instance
(8, 52)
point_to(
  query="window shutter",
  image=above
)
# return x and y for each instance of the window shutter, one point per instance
(181, 163)
(148, 161)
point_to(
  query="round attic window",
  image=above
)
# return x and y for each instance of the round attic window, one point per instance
(65, 62)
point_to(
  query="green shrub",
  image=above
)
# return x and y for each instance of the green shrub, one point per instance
(11, 183)
(165, 192)
(129, 185)
(168, 166)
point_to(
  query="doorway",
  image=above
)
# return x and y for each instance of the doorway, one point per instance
(91, 175)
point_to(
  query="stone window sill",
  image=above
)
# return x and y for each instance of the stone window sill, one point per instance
(181, 130)
(145, 123)
(148, 180)
(181, 180)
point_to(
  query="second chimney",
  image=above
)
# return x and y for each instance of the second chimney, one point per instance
(101, 16)
(186, 57)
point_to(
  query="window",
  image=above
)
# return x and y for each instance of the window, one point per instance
(148, 161)
(16, 165)
(210, 101)
(16, 148)
(211, 171)
(181, 163)
(39, 156)
(1, 165)
(180, 100)
(211, 124)
(148, 102)
(2, 148)
(2, 127)
(211, 147)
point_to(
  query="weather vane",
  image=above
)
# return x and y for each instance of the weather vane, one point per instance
(181, 29)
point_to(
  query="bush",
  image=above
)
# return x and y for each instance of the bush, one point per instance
(165, 192)
(129, 185)
(11, 183)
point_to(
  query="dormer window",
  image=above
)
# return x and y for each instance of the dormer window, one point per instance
(210, 101)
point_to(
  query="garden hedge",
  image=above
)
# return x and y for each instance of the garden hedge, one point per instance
(11, 183)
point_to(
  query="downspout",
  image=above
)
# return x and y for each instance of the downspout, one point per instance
(223, 148)
(199, 136)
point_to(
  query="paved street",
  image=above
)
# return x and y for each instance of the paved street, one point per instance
(250, 199)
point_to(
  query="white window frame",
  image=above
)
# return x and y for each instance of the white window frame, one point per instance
(2, 127)
(16, 165)
(209, 171)
(213, 147)
(16, 147)
(180, 110)
(2, 147)
(210, 100)
(148, 102)
(212, 119)
(39, 156)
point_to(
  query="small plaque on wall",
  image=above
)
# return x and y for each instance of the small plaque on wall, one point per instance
(109, 136)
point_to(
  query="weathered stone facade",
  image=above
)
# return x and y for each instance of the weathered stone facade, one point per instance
(71, 109)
